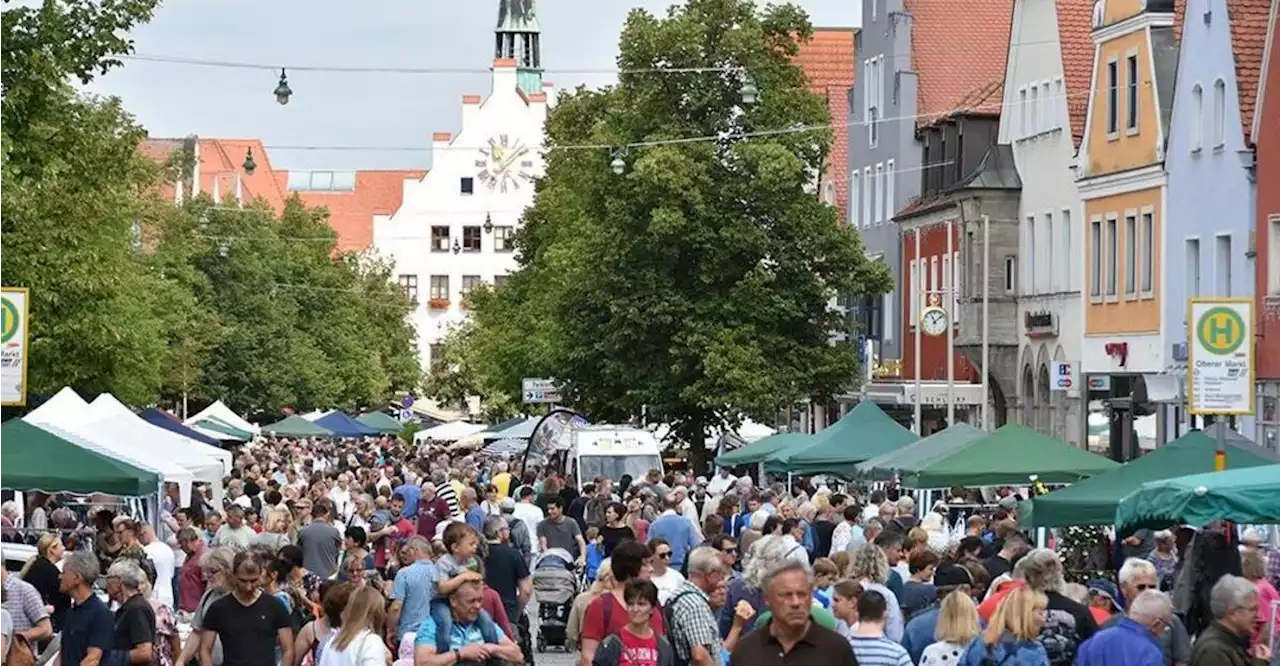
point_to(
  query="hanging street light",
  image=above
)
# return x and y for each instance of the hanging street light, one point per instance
(488, 224)
(283, 91)
(456, 248)
(750, 93)
(249, 164)
(223, 250)
(618, 164)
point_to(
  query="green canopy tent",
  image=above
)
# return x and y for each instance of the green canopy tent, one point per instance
(865, 432)
(759, 450)
(1245, 496)
(1009, 456)
(381, 422)
(223, 429)
(296, 426)
(1093, 501)
(36, 459)
(912, 457)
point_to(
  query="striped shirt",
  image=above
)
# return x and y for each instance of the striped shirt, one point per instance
(878, 651)
(450, 496)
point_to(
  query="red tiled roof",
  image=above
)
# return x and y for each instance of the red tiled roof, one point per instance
(1075, 28)
(828, 61)
(351, 213)
(957, 48)
(221, 160)
(1249, 19)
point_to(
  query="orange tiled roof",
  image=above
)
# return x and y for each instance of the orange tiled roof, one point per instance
(220, 162)
(828, 61)
(957, 49)
(1075, 35)
(351, 213)
(1249, 20)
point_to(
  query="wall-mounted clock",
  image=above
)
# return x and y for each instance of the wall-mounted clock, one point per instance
(503, 164)
(934, 321)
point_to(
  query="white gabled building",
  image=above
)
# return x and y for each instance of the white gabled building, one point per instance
(454, 228)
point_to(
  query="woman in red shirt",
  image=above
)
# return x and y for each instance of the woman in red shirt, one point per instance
(607, 614)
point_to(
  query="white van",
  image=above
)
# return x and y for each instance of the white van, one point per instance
(613, 451)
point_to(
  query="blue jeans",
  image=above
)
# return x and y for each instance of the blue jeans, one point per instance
(443, 617)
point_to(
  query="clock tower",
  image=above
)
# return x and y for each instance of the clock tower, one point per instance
(518, 37)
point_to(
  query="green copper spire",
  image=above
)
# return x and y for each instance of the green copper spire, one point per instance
(517, 37)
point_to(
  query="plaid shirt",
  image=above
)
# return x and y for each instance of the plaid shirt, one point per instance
(1273, 566)
(691, 623)
(23, 603)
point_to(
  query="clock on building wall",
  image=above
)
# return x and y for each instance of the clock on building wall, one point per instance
(504, 163)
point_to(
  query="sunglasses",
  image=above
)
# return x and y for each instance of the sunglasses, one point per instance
(1143, 587)
(665, 556)
(730, 551)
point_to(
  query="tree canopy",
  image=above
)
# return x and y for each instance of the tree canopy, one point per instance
(696, 286)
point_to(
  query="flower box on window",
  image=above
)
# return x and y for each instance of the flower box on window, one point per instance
(438, 304)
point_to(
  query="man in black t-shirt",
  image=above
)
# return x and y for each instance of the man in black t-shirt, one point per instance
(507, 573)
(251, 624)
(135, 620)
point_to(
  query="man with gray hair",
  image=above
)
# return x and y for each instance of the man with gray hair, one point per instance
(1131, 640)
(135, 623)
(88, 630)
(788, 632)
(691, 624)
(1138, 576)
(507, 572)
(520, 539)
(1234, 604)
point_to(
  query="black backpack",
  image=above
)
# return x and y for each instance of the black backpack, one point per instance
(667, 617)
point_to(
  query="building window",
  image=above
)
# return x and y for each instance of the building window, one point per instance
(866, 197)
(880, 207)
(947, 299)
(409, 285)
(1273, 255)
(829, 194)
(1112, 255)
(855, 197)
(435, 354)
(1095, 258)
(886, 304)
(1065, 250)
(469, 283)
(1222, 269)
(471, 239)
(1148, 232)
(468, 185)
(956, 286)
(1131, 88)
(498, 281)
(503, 239)
(1130, 255)
(1059, 102)
(1050, 277)
(1029, 253)
(891, 206)
(1023, 114)
(1197, 117)
(1035, 109)
(1010, 274)
(1046, 108)
(1193, 267)
(1219, 113)
(1113, 98)
(913, 299)
(934, 280)
(439, 239)
(440, 288)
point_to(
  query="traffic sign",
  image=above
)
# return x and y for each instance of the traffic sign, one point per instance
(1063, 377)
(539, 391)
(407, 401)
(15, 332)
(1220, 366)
(405, 414)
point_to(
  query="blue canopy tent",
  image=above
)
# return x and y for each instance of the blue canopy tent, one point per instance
(162, 419)
(344, 426)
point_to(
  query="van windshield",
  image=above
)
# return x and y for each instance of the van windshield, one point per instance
(614, 467)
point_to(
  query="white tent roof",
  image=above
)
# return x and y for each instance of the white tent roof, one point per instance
(449, 431)
(749, 431)
(128, 433)
(315, 415)
(107, 408)
(220, 411)
(64, 407)
(169, 470)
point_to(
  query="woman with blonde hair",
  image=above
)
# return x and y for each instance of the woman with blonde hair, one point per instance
(1010, 639)
(358, 642)
(957, 627)
(604, 583)
(275, 530)
(42, 572)
(869, 567)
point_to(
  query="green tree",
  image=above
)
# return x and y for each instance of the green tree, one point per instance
(75, 185)
(458, 375)
(696, 285)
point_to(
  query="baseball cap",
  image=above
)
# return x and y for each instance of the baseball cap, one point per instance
(951, 575)
(1107, 589)
(507, 505)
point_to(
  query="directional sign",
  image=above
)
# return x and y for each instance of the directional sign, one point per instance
(14, 334)
(1220, 366)
(539, 391)
(1063, 377)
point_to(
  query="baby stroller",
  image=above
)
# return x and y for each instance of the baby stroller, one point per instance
(555, 585)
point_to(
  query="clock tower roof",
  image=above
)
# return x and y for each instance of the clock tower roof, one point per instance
(518, 37)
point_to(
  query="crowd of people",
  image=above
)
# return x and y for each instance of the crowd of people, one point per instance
(377, 552)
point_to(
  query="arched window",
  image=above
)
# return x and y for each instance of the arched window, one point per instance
(1197, 118)
(829, 194)
(1219, 113)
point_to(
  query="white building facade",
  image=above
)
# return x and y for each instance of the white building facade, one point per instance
(1037, 122)
(456, 225)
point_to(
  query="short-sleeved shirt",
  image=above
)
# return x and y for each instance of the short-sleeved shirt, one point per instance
(692, 621)
(414, 587)
(819, 645)
(320, 543)
(249, 633)
(447, 568)
(561, 534)
(135, 623)
(504, 568)
(606, 615)
(24, 603)
(87, 625)
(460, 635)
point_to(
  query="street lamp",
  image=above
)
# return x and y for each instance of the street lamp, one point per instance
(249, 164)
(283, 91)
(750, 93)
(488, 224)
(223, 250)
(456, 248)
(619, 164)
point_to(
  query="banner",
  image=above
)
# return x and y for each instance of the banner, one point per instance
(14, 336)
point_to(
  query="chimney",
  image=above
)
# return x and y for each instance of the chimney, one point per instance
(504, 74)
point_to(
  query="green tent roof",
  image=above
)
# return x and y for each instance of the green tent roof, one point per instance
(865, 432)
(759, 450)
(1245, 496)
(912, 457)
(221, 427)
(1009, 456)
(1093, 501)
(36, 459)
(381, 422)
(296, 426)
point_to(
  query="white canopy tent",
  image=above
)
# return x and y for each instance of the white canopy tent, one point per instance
(223, 413)
(316, 415)
(447, 432)
(107, 407)
(747, 432)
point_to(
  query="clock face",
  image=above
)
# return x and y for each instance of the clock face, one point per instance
(934, 321)
(504, 163)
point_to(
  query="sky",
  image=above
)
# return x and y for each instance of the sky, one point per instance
(355, 109)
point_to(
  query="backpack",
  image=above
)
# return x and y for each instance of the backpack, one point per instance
(610, 652)
(667, 611)
(488, 630)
